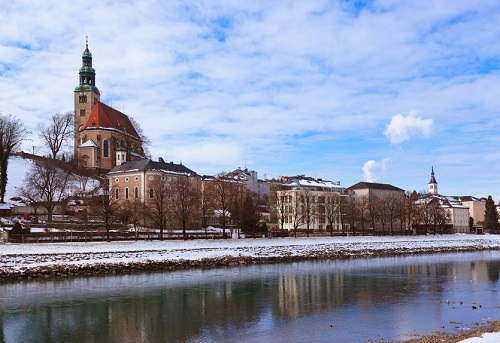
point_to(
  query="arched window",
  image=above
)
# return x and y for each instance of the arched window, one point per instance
(151, 193)
(126, 193)
(136, 192)
(105, 148)
(116, 194)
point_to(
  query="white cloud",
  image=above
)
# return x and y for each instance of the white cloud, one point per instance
(212, 154)
(402, 128)
(371, 167)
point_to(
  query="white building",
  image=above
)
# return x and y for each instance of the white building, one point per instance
(304, 203)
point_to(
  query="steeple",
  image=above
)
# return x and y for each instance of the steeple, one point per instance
(433, 185)
(87, 73)
(86, 96)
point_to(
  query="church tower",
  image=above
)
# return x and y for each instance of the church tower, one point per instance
(433, 185)
(86, 96)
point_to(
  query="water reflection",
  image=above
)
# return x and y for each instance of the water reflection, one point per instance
(343, 301)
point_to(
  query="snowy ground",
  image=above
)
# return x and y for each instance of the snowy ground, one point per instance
(15, 257)
(489, 337)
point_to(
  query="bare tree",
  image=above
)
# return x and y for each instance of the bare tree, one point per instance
(295, 212)
(158, 203)
(135, 213)
(333, 208)
(245, 212)
(107, 205)
(206, 204)
(383, 211)
(58, 132)
(373, 210)
(362, 210)
(350, 211)
(308, 209)
(31, 196)
(12, 133)
(412, 211)
(49, 184)
(186, 199)
(393, 204)
(280, 209)
(223, 191)
(144, 139)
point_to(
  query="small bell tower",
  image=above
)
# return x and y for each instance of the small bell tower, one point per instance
(433, 185)
(121, 156)
(86, 95)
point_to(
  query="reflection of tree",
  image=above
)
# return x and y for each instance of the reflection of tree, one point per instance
(493, 269)
(220, 307)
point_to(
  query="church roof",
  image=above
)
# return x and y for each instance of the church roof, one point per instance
(106, 117)
(150, 165)
(433, 179)
(88, 144)
(375, 186)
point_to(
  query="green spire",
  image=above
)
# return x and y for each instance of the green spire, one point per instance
(87, 73)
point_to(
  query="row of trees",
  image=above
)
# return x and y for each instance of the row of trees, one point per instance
(184, 203)
(388, 213)
(189, 202)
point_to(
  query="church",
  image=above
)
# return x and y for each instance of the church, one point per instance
(103, 136)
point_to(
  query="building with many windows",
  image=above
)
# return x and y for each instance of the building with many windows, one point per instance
(307, 204)
(159, 188)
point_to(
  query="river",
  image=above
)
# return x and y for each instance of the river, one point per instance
(359, 300)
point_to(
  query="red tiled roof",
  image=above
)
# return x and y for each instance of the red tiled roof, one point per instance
(103, 116)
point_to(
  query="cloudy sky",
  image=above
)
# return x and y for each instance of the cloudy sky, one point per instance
(341, 90)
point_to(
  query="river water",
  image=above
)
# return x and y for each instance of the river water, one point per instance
(357, 300)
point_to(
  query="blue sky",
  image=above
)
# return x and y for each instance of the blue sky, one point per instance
(341, 90)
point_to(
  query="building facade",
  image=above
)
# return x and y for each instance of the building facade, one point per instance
(103, 137)
(304, 203)
(140, 182)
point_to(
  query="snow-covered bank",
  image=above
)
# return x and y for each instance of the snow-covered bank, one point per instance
(66, 259)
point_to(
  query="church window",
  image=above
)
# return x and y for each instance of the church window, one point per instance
(82, 112)
(116, 194)
(136, 192)
(82, 98)
(126, 179)
(105, 148)
(126, 193)
(151, 193)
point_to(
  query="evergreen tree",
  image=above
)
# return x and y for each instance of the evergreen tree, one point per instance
(490, 215)
(12, 133)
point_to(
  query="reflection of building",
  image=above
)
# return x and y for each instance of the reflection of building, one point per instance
(103, 136)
